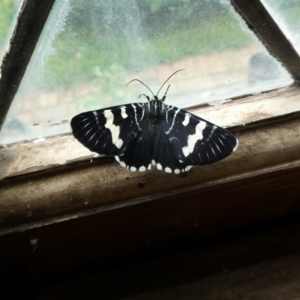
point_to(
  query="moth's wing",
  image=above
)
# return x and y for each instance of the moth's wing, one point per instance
(109, 131)
(196, 141)
(137, 155)
(164, 155)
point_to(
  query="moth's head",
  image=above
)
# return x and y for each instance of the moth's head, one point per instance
(156, 98)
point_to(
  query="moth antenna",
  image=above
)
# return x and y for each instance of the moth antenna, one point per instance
(167, 81)
(142, 84)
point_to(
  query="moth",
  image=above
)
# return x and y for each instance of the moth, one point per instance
(140, 135)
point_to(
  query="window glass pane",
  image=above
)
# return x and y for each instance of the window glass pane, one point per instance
(8, 13)
(89, 50)
(286, 13)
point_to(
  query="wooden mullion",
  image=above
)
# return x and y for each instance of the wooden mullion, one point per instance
(29, 26)
(266, 29)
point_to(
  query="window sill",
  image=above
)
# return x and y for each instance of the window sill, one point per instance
(60, 150)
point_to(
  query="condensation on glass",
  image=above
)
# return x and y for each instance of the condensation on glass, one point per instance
(89, 50)
(286, 13)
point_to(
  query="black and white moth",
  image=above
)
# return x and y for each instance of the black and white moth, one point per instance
(153, 133)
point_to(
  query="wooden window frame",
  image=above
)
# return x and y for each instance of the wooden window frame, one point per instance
(79, 192)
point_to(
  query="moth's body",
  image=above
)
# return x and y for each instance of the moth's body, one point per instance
(154, 112)
(153, 133)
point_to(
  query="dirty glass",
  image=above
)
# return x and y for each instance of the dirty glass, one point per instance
(89, 50)
(286, 13)
(8, 13)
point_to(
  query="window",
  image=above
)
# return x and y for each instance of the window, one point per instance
(51, 184)
(88, 51)
(66, 74)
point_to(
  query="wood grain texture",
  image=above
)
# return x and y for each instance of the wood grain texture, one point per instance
(76, 190)
(266, 29)
(157, 225)
(29, 25)
(259, 266)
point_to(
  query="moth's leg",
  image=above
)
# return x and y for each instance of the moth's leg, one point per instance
(148, 98)
(165, 95)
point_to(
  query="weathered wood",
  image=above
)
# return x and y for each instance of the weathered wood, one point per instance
(259, 266)
(266, 29)
(29, 25)
(156, 225)
(75, 190)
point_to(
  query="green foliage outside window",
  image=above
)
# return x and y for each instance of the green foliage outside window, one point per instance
(7, 9)
(137, 34)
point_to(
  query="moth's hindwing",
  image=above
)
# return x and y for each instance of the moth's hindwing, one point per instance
(138, 153)
(164, 155)
(196, 141)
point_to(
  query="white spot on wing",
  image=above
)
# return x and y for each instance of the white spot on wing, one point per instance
(168, 170)
(153, 162)
(159, 166)
(122, 163)
(194, 138)
(132, 169)
(187, 168)
(177, 171)
(142, 169)
(115, 130)
(186, 120)
(123, 112)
